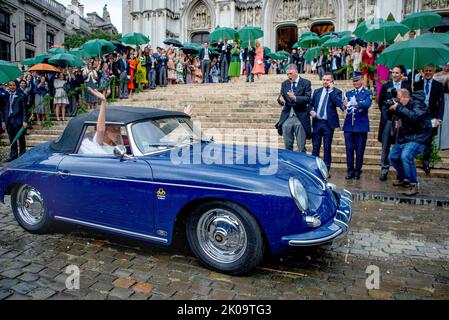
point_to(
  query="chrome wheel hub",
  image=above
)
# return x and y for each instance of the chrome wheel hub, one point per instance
(30, 205)
(222, 236)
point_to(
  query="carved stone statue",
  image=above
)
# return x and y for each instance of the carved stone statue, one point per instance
(351, 11)
(106, 15)
(201, 18)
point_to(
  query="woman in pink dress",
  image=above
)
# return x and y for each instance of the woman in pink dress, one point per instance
(259, 65)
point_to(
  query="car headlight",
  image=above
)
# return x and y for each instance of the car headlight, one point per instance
(322, 167)
(299, 194)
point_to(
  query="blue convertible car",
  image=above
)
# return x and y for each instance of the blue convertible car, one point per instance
(231, 214)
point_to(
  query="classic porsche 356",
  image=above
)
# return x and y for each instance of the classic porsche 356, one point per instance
(230, 213)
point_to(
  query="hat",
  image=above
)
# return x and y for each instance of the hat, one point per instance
(356, 76)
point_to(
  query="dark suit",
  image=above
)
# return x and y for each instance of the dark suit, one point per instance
(436, 108)
(323, 129)
(298, 125)
(225, 60)
(321, 65)
(205, 64)
(249, 55)
(124, 68)
(385, 136)
(14, 113)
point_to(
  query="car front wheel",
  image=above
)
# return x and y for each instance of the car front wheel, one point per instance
(225, 237)
(29, 209)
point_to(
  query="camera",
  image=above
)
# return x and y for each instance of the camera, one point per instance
(391, 102)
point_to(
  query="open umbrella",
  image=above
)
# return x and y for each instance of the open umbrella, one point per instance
(439, 37)
(422, 20)
(57, 50)
(41, 58)
(308, 34)
(250, 34)
(190, 50)
(345, 41)
(342, 34)
(309, 41)
(314, 52)
(332, 43)
(66, 60)
(414, 54)
(8, 71)
(327, 37)
(28, 62)
(135, 39)
(283, 53)
(275, 56)
(79, 53)
(363, 27)
(173, 42)
(386, 31)
(98, 47)
(43, 67)
(223, 33)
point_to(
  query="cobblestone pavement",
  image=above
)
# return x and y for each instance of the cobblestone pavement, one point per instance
(409, 244)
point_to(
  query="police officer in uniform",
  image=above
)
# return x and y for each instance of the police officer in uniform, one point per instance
(356, 126)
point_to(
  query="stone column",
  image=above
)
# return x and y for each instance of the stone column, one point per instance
(18, 33)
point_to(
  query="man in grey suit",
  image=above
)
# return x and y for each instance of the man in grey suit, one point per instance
(295, 121)
(205, 58)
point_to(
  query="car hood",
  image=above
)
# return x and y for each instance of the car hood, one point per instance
(237, 167)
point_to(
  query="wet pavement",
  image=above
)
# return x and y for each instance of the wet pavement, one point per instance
(408, 244)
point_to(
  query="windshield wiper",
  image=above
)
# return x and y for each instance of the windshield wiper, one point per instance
(159, 145)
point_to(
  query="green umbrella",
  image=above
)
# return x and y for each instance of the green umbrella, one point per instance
(314, 52)
(363, 27)
(57, 50)
(385, 32)
(309, 41)
(40, 58)
(327, 37)
(135, 38)
(276, 56)
(192, 44)
(250, 34)
(343, 34)
(283, 53)
(345, 41)
(414, 54)
(98, 47)
(422, 20)
(66, 60)
(297, 45)
(439, 37)
(308, 34)
(79, 53)
(28, 62)
(8, 71)
(222, 33)
(21, 131)
(332, 43)
(266, 50)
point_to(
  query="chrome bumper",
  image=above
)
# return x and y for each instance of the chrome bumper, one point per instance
(338, 227)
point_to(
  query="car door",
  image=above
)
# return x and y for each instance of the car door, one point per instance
(107, 192)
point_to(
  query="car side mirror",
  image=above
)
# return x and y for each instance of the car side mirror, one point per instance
(120, 152)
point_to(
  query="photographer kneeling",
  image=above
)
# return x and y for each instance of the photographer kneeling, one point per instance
(413, 128)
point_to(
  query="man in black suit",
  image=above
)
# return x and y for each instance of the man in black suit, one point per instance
(14, 117)
(124, 71)
(325, 102)
(389, 92)
(249, 55)
(434, 91)
(225, 59)
(295, 116)
(205, 58)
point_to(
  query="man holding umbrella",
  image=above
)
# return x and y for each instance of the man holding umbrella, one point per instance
(14, 118)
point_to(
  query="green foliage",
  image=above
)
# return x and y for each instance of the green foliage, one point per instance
(3, 144)
(434, 155)
(77, 40)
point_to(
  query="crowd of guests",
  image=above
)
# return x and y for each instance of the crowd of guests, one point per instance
(414, 114)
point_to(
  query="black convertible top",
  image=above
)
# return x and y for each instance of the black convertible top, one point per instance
(68, 141)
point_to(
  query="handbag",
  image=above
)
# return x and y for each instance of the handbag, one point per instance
(259, 61)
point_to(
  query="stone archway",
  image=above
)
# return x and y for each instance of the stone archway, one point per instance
(322, 27)
(302, 13)
(198, 18)
(286, 37)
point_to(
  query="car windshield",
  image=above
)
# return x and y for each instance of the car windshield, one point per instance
(154, 135)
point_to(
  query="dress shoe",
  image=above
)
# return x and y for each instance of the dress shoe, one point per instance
(350, 176)
(401, 183)
(412, 191)
(383, 177)
(357, 177)
(426, 170)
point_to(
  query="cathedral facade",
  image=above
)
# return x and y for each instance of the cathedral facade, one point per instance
(283, 21)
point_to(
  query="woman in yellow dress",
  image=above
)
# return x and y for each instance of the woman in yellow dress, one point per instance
(141, 73)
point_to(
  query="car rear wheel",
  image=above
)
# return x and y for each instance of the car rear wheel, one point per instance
(29, 209)
(225, 237)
